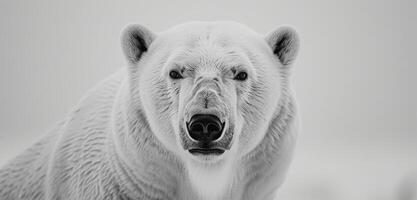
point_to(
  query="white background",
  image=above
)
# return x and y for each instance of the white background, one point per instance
(355, 79)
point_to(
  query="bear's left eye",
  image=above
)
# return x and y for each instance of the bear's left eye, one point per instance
(241, 76)
(175, 75)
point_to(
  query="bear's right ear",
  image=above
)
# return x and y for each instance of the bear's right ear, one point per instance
(135, 41)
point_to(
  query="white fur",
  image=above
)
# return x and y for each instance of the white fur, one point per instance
(122, 141)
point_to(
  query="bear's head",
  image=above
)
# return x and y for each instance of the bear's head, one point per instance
(209, 90)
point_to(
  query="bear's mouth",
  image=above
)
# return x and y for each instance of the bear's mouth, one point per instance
(208, 151)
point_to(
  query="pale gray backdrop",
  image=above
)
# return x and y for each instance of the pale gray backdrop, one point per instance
(355, 79)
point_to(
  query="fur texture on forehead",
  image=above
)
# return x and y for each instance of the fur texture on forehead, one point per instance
(214, 40)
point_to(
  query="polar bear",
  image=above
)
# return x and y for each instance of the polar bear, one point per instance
(203, 111)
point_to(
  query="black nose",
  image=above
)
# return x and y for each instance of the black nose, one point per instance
(205, 128)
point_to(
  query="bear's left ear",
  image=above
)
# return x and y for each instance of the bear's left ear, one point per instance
(284, 43)
(135, 41)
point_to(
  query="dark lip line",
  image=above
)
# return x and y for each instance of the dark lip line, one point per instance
(207, 151)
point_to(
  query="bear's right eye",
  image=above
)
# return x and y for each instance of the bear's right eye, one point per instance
(175, 75)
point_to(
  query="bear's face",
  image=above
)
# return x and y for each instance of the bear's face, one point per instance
(209, 90)
(210, 82)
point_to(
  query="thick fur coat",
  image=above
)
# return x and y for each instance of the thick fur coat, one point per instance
(126, 139)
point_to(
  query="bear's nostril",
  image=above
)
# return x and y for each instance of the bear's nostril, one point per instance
(197, 127)
(213, 128)
(196, 130)
(205, 128)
